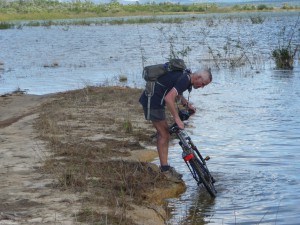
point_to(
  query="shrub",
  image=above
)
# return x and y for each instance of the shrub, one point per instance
(257, 19)
(284, 58)
(287, 49)
(286, 6)
(263, 7)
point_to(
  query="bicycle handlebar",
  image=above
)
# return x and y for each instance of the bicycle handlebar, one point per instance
(183, 115)
(173, 129)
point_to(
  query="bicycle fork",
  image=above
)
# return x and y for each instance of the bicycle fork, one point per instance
(188, 153)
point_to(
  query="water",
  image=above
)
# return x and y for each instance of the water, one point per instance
(251, 129)
(247, 120)
(88, 55)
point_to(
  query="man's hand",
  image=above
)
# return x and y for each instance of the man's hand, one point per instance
(191, 109)
(179, 123)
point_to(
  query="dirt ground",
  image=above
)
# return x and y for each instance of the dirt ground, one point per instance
(80, 157)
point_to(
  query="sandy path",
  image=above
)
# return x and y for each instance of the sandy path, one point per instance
(26, 195)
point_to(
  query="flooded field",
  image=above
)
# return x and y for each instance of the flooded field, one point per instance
(248, 119)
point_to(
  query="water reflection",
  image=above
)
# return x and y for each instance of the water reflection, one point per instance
(202, 207)
(196, 205)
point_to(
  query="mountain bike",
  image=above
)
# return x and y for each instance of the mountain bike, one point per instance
(192, 156)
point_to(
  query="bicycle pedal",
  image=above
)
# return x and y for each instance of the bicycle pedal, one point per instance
(207, 158)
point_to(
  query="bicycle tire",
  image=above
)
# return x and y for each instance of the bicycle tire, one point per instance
(204, 175)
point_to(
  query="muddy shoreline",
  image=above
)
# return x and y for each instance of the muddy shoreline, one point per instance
(63, 154)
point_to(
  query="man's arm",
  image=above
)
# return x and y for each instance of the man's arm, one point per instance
(183, 100)
(187, 104)
(170, 102)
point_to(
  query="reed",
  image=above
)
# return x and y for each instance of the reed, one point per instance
(287, 48)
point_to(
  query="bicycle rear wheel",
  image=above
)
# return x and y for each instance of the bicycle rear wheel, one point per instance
(203, 175)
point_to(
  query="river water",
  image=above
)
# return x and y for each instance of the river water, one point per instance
(250, 127)
(247, 121)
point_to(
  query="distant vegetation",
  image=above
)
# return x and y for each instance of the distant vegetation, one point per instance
(52, 9)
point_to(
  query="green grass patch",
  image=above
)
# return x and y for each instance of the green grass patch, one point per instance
(50, 9)
(5, 25)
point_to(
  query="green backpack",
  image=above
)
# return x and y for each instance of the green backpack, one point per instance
(153, 72)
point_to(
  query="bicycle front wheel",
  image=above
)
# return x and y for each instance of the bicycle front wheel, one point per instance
(204, 176)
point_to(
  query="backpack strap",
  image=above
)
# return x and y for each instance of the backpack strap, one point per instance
(188, 72)
(150, 85)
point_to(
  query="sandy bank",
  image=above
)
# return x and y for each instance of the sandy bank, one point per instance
(79, 158)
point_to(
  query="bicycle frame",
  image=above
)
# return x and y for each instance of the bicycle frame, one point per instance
(190, 154)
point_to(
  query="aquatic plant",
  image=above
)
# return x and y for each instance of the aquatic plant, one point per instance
(123, 78)
(5, 25)
(257, 19)
(176, 41)
(284, 58)
(52, 65)
(287, 48)
(235, 53)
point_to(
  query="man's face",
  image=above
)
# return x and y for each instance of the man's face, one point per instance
(201, 81)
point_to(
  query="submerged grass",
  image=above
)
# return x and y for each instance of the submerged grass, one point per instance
(6, 25)
(84, 22)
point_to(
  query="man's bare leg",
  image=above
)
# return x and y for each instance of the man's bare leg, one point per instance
(163, 139)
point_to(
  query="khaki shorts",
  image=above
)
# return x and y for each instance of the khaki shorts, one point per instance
(155, 114)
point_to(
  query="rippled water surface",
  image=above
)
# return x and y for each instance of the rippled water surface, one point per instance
(248, 119)
(250, 127)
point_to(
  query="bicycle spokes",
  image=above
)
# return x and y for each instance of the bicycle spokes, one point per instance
(194, 174)
(196, 163)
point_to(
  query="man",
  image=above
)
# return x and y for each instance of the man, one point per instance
(168, 89)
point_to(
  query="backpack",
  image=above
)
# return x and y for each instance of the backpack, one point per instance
(153, 72)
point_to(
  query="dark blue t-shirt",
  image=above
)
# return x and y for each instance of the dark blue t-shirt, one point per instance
(163, 85)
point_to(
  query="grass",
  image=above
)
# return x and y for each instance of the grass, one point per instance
(51, 10)
(123, 78)
(6, 25)
(90, 140)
